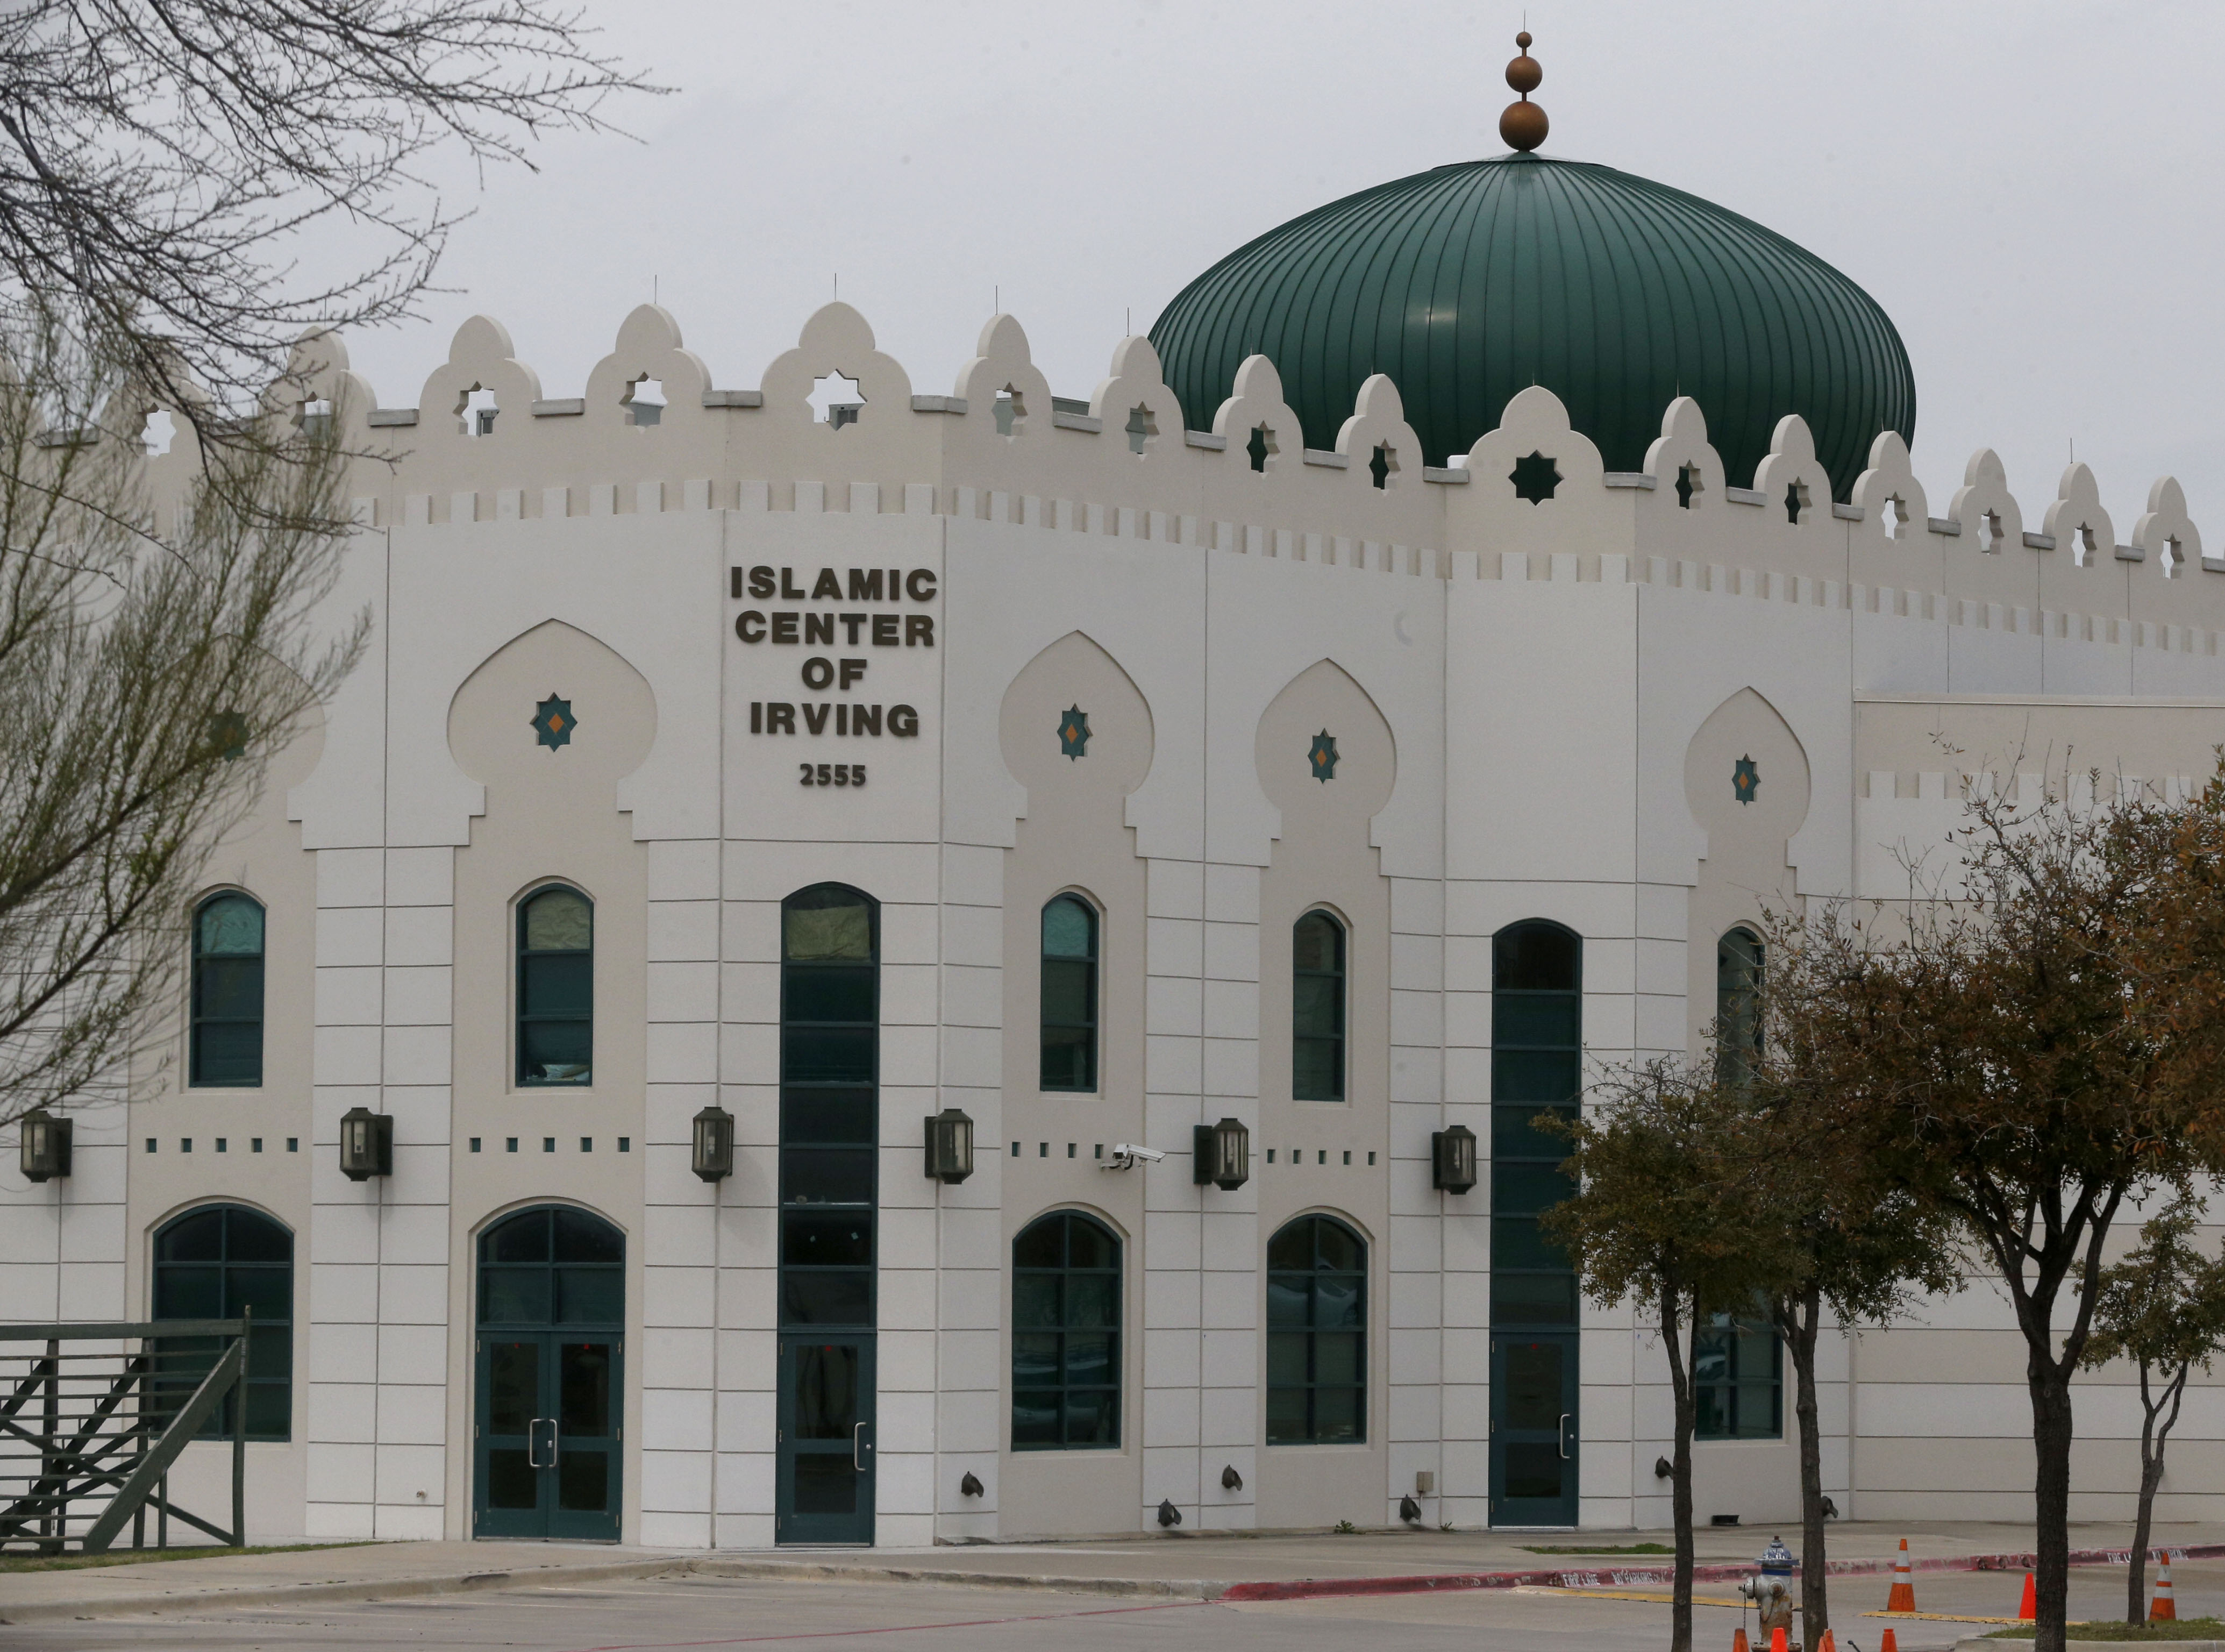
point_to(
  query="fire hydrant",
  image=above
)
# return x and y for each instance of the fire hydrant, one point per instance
(1771, 1591)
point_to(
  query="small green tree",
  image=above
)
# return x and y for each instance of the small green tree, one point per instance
(1847, 1243)
(2163, 1307)
(2034, 1048)
(1658, 1218)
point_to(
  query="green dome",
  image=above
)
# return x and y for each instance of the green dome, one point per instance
(1471, 282)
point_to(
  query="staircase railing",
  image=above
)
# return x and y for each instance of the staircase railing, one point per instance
(88, 1433)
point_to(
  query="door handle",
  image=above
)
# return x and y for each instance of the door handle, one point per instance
(533, 1442)
(858, 1447)
(1560, 1434)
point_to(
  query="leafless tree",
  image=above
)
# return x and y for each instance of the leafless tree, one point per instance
(145, 682)
(201, 181)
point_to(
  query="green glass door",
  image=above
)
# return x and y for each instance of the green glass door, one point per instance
(824, 1470)
(1533, 1430)
(548, 1446)
(547, 1438)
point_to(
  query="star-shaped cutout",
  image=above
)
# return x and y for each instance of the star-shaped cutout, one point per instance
(1074, 732)
(1534, 478)
(1322, 758)
(553, 722)
(1746, 779)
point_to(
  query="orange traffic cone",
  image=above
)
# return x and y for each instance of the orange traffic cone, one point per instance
(1902, 1597)
(1738, 1640)
(2029, 1612)
(1889, 1644)
(1827, 1644)
(1777, 1640)
(2163, 1608)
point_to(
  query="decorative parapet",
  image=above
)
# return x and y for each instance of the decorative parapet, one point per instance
(834, 423)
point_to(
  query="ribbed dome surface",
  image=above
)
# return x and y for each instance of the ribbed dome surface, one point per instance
(1473, 282)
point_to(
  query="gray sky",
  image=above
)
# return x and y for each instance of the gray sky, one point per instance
(2032, 191)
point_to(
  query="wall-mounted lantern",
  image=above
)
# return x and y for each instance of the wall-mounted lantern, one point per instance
(1221, 1153)
(367, 1144)
(949, 1146)
(710, 1153)
(1452, 1160)
(46, 1146)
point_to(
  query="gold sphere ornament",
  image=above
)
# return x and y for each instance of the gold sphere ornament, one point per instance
(1523, 125)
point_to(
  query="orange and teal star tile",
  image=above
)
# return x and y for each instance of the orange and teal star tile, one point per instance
(1074, 732)
(1321, 759)
(553, 722)
(1746, 779)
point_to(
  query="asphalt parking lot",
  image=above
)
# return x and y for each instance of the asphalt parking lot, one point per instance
(704, 1612)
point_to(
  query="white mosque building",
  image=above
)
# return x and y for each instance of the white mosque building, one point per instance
(1392, 689)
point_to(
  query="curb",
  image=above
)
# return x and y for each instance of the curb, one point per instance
(839, 1572)
(701, 1564)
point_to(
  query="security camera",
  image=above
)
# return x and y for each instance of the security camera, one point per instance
(1125, 1156)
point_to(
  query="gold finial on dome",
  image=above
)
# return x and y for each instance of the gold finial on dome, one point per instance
(1523, 125)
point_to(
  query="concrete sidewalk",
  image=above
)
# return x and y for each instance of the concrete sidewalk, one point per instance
(1211, 1566)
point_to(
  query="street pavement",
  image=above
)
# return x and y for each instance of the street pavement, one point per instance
(695, 1610)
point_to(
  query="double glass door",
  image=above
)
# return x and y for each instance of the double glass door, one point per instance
(825, 1466)
(1533, 1430)
(547, 1437)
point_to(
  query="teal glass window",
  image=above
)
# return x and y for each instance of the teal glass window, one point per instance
(1316, 1334)
(1066, 1334)
(1739, 1370)
(1317, 1008)
(1069, 995)
(1738, 1007)
(214, 1262)
(830, 1105)
(555, 987)
(1536, 1067)
(552, 1265)
(226, 1038)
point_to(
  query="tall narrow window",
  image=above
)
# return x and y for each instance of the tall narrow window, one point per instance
(555, 988)
(1066, 1334)
(829, 1108)
(1317, 1009)
(1537, 1060)
(1738, 1008)
(1739, 1379)
(1316, 1334)
(1069, 995)
(212, 1263)
(227, 994)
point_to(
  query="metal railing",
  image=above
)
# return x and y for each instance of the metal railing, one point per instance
(88, 1434)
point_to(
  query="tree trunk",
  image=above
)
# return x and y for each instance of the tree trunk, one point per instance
(2050, 1441)
(2152, 1445)
(1681, 1353)
(1815, 1600)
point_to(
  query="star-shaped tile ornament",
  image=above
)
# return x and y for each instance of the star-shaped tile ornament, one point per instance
(228, 735)
(1322, 758)
(1074, 732)
(1746, 779)
(553, 722)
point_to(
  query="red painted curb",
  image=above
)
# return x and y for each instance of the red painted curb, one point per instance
(1645, 1576)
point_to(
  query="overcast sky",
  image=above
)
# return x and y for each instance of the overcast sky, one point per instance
(2032, 191)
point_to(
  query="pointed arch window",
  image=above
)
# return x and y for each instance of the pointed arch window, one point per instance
(212, 1263)
(1066, 1334)
(227, 994)
(1317, 1008)
(555, 987)
(1738, 1006)
(1069, 995)
(1316, 1334)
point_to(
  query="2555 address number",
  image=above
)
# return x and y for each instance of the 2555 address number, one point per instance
(832, 774)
